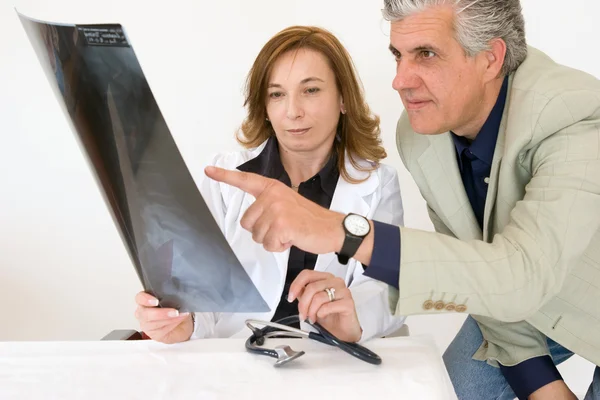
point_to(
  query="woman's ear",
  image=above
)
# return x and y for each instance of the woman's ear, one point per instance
(342, 106)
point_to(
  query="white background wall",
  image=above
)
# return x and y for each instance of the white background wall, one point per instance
(64, 273)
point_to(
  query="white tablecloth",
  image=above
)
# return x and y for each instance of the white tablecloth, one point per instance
(412, 368)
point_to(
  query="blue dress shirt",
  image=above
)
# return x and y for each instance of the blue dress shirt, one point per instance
(475, 163)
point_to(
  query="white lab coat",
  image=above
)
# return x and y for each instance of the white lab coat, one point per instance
(376, 198)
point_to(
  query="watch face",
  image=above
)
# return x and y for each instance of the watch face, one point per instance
(357, 225)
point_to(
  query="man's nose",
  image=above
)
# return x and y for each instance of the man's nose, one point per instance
(406, 76)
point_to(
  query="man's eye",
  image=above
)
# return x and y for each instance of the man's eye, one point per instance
(428, 54)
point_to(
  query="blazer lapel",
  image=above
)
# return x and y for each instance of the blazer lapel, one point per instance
(348, 197)
(440, 169)
(490, 201)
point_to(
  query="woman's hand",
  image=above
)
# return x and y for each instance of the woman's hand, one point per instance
(338, 316)
(165, 325)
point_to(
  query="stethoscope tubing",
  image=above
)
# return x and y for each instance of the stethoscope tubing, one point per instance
(322, 335)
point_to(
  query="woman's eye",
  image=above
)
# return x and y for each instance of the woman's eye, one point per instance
(312, 90)
(275, 95)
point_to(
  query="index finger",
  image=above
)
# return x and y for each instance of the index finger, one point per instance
(246, 181)
(304, 278)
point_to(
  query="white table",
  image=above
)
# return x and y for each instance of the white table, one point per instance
(412, 368)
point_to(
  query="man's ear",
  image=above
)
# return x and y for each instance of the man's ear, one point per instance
(494, 59)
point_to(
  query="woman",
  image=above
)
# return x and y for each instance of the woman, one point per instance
(308, 126)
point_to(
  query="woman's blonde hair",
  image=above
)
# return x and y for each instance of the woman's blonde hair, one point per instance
(358, 130)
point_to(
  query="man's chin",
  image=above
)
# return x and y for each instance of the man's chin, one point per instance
(426, 129)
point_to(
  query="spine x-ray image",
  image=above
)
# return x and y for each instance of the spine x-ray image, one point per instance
(178, 251)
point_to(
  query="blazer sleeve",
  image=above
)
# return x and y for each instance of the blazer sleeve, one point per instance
(371, 296)
(526, 264)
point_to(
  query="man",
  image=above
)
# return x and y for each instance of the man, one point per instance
(504, 145)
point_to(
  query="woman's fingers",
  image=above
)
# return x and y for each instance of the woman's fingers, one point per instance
(160, 323)
(316, 290)
(150, 314)
(146, 300)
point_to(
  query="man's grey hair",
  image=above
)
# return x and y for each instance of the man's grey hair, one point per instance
(476, 23)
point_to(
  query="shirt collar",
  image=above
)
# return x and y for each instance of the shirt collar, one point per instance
(485, 142)
(268, 164)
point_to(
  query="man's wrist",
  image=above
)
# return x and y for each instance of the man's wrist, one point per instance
(364, 252)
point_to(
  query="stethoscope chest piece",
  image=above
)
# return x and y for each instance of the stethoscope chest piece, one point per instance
(285, 354)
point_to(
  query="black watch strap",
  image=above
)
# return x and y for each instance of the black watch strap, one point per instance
(349, 248)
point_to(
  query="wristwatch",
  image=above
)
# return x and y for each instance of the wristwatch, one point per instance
(356, 228)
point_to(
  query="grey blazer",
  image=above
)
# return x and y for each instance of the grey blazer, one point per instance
(535, 267)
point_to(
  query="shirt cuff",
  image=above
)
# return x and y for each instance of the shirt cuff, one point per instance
(385, 259)
(530, 375)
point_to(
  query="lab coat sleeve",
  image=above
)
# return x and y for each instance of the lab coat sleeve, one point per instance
(204, 325)
(212, 192)
(371, 296)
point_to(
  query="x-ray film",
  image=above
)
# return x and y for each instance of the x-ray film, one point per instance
(179, 252)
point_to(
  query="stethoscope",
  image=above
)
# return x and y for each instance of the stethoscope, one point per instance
(285, 354)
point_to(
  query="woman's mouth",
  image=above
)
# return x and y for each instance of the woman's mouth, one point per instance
(298, 131)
